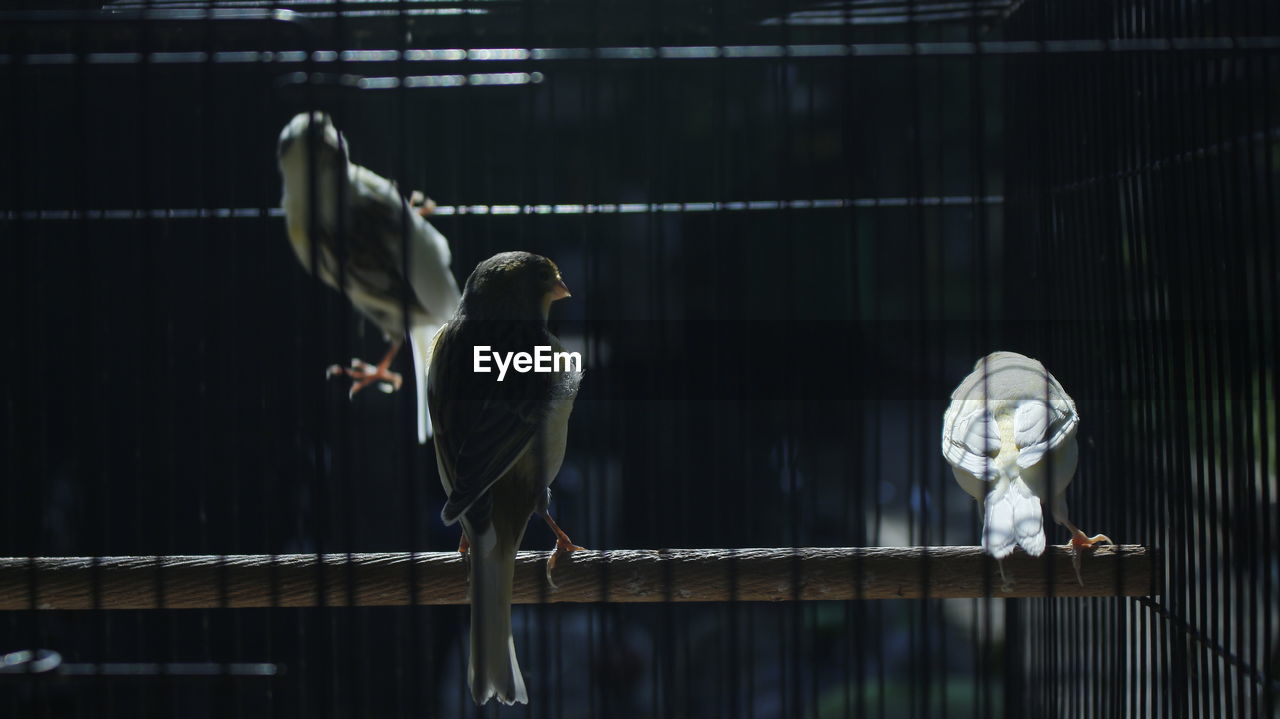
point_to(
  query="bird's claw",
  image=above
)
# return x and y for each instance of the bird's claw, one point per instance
(1079, 544)
(1080, 541)
(365, 374)
(565, 545)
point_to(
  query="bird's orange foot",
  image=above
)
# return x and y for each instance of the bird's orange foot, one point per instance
(365, 374)
(1079, 541)
(421, 204)
(464, 546)
(563, 544)
(1080, 544)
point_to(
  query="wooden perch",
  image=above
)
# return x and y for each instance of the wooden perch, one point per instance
(675, 575)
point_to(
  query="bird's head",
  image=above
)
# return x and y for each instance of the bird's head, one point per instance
(310, 128)
(514, 285)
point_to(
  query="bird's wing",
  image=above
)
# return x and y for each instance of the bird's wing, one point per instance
(1041, 426)
(432, 295)
(971, 437)
(482, 426)
(380, 203)
(429, 271)
(375, 281)
(378, 224)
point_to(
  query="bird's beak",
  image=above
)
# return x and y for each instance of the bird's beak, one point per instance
(559, 290)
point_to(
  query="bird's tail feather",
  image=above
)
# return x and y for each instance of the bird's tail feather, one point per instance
(493, 670)
(1013, 518)
(420, 342)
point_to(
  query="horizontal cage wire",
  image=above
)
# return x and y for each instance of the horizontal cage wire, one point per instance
(875, 301)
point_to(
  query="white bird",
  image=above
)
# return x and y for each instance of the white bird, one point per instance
(369, 251)
(1010, 437)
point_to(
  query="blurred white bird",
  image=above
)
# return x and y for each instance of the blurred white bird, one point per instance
(370, 249)
(1010, 437)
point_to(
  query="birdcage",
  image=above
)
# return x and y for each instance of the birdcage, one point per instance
(790, 229)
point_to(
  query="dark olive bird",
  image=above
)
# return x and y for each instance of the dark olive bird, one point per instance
(499, 444)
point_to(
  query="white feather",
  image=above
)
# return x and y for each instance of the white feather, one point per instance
(1013, 517)
(420, 337)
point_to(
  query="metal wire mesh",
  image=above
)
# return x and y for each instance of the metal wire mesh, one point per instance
(790, 229)
(1153, 173)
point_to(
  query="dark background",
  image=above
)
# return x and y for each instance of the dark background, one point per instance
(755, 377)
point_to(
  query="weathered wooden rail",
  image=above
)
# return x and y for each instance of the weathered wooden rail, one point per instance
(669, 575)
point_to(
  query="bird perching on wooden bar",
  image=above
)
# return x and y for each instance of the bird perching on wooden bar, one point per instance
(500, 440)
(1010, 437)
(365, 255)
